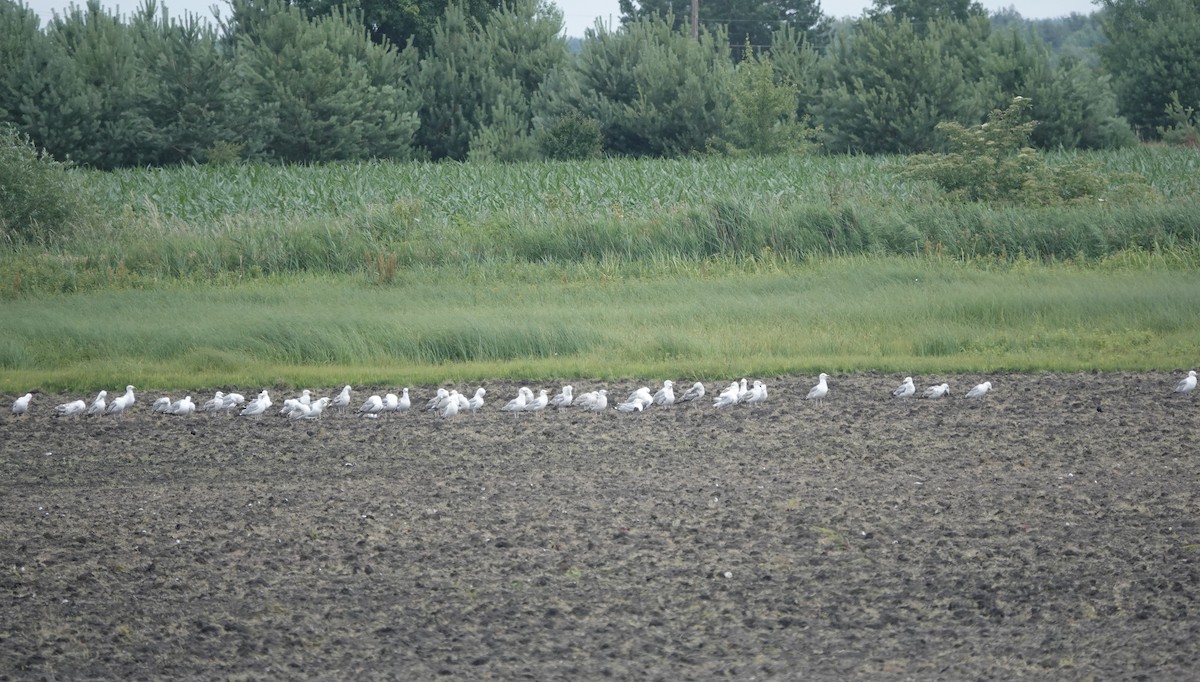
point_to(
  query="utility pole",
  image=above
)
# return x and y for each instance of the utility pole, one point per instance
(696, 20)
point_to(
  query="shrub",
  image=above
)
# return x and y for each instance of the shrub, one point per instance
(38, 197)
(1185, 125)
(572, 136)
(994, 162)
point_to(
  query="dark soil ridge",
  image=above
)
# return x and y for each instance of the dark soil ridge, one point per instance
(1048, 531)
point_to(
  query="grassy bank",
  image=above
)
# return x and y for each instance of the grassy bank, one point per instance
(909, 315)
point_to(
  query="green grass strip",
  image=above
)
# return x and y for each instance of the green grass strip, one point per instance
(839, 315)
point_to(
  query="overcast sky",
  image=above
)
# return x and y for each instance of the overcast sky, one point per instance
(581, 14)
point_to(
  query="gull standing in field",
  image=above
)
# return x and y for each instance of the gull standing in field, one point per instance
(232, 401)
(821, 390)
(665, 395)
(215, 403)
(1187, 384)
(732, 389)
(183, 407)
(565, 396)
(980, 390)
(743, 391)
(71, 409)
(476, 401)
(342, 402)
(694, 393)
(446, 397)
(391, 402)
(258, 406)
(438, 401)
(939, 391)
(21, 405)
(405, 401)
(122, 402)
(518, 403)
(906, 389)
(162, 405)
(371, 407)
(451, 407)
(758, 394)
(596, 401)
(539, 403)
(99, 404)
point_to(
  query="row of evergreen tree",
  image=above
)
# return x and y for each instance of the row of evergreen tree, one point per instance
(274, 82)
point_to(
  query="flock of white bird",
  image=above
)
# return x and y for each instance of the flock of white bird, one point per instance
(451, 403)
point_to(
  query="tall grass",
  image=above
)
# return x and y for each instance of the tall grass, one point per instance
(543, 322)
(233, 223)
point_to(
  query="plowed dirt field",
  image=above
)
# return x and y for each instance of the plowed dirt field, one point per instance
(1048, 530)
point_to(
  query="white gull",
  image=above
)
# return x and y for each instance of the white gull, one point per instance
(1187, 385)
(99, 404)
(980, 390)
(122, 403)
(693, 393)
(821, 390)
(71, 409)
(939, 391)
(476, 401)
(565, 397)
(371, 407)
(21, 405)
(665, 395)
(906, 389)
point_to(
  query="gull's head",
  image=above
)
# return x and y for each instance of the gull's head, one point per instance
(824, 376)
(1192, 373)
(103, 394)
(668, 383)
(480, 392)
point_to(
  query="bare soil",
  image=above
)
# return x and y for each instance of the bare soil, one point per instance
(1047, 531)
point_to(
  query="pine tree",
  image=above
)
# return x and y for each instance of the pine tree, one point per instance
(320, 90)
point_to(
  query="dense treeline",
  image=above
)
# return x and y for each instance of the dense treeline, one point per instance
(309, 82)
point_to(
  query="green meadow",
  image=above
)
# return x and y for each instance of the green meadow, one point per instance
(415, 273)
